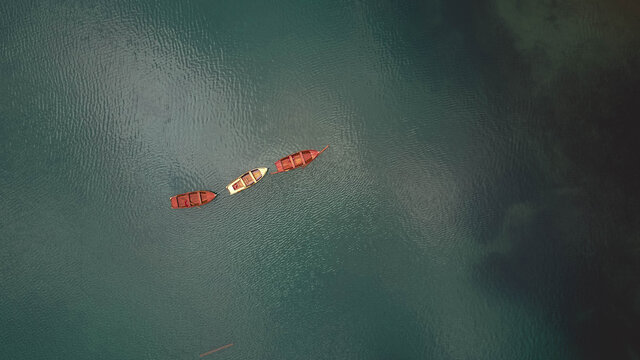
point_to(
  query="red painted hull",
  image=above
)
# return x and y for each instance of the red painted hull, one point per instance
(192, 199)
(297, 160)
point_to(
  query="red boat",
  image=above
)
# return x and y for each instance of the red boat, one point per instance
(192, 199)
(297, 160)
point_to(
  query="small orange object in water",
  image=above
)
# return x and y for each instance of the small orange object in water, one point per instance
(194, 198)
(297, 160)
(214, 350)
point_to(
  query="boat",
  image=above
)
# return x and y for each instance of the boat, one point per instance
(246, 180)
(297, 160)
(192, 199)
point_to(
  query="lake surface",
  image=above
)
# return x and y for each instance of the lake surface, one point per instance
(478, 199)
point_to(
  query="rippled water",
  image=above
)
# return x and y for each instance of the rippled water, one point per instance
(430, 228)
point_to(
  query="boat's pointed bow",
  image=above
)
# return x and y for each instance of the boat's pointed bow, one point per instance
(315, 153)
(209, 195)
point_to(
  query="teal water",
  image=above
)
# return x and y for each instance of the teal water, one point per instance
(478, 200)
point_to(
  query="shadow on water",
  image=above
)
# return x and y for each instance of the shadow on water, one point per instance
(568, 244)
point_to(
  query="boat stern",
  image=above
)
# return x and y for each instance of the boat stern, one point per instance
(279, 167)
(239, 188)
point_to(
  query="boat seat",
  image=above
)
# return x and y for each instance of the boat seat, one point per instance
(247, 179)
(183, 201)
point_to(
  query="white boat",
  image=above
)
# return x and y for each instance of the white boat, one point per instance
(246, 180)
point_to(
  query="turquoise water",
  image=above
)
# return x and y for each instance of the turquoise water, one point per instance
(477, 200)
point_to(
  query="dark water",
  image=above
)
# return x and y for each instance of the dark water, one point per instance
(478, 201)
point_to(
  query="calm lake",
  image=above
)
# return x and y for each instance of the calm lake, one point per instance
(478, 199)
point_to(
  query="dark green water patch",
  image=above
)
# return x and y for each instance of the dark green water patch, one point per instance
(574, 252)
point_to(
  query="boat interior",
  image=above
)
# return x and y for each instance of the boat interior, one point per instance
(307, 156)
(297, 159)
(286, 163)
(237, 185)
(247, 179)
(183, 200)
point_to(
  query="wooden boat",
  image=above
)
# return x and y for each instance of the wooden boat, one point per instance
(192, 199)
(297, 160)
(246, 180)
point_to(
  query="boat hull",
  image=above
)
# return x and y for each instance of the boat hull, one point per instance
(296, 160)
(192, 199)
(246, 180)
